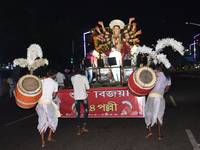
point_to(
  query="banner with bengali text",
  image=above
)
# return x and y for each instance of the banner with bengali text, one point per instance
(110, 102)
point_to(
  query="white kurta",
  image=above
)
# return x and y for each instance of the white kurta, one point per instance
(155, 106)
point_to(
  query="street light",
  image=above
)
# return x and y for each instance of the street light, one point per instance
(192, 23)
(84, 42)
(195, 47)
(194, 39)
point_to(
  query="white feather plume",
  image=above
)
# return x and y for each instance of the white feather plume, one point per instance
(144, 49)
(38, 63)
(163, 59)
(33, 51)
(156, 56)
(155, 61)
(21, 62)
(170, 42)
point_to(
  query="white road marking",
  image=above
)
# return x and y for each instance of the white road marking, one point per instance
(173, 101)
(20, 119)
(192, 139)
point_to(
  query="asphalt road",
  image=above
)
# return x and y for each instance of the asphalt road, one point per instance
(18, 127)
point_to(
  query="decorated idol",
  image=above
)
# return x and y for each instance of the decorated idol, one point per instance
(119, 34)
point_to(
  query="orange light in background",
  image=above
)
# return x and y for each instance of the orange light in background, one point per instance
(197, 41)
(186, 22)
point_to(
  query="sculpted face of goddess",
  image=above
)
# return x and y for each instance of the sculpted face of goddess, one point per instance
(116, 30)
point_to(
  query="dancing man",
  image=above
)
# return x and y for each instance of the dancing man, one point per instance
(45, 109)
(155, 105)
(80, 85)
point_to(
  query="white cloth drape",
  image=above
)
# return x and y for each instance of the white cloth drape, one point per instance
(154, 109)
(47, 117)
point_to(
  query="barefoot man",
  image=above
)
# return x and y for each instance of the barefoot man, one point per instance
(155, 105)
(45, 108)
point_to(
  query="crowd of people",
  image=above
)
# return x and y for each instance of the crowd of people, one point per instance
(10, 78)
(48, 111)
(54, 80)
(154, 107)
(91, 64)
(48, 105)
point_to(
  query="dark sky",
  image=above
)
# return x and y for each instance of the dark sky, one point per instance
(156, 19)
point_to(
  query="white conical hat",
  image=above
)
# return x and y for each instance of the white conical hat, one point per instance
(117, 22)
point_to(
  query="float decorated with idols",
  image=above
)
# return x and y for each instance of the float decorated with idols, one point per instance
(125, 101)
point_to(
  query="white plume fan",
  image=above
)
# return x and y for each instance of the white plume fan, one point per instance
(156, 56)
(34, 51)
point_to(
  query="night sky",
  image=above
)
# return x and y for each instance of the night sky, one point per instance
(156, 19)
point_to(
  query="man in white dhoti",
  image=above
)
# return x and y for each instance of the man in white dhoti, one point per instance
(45, 107)
(155, 105)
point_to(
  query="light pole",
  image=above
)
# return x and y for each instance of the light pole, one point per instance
(194, 39)
(84, 42)
(195, 47)
(193, 23)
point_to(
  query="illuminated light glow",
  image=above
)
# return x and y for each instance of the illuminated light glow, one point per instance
(84, 42)
(194, 24)
(196, 36)
(71, 60)
(11, 66)
(194, 44)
